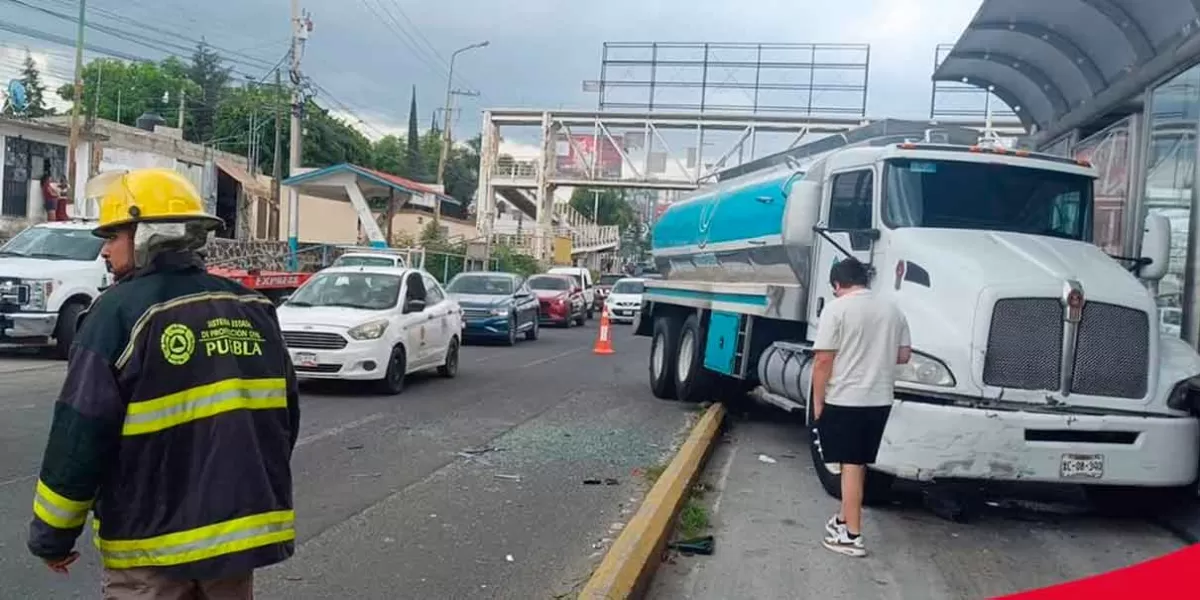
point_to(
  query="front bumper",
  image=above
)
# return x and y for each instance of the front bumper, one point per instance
(358, 361)
(26, 327)
(623, 314)
(927, 441)
(486, 327)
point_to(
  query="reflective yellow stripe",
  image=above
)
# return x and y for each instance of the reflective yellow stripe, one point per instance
(204, 401)
(57, 511)
(177, 302)
(200, 543)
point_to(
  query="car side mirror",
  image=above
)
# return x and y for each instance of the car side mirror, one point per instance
(1156, 247)
(414, 305)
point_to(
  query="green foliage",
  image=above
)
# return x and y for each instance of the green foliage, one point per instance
(614, 210)
(511, 261)
(212, 78)
(119, 91)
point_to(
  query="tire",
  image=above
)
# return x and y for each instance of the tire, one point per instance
(662, 351)
(65, 327)
(582, 320)
(878, 488)
(449, 369)
(393, 380)
(532, 334)
(693, 383)
(511, 340)
(591, 314)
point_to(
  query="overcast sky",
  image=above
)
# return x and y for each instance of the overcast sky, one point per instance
(540, 51)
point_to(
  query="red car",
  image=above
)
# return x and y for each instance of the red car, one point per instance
(560, 300)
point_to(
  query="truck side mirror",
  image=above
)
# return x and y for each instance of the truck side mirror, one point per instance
(802, 212)
(1156, 247)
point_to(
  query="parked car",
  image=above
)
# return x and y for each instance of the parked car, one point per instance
(376, 324)
(495, 305)
(583, 279)
(605, 284)
(625, 300)
(560, 300)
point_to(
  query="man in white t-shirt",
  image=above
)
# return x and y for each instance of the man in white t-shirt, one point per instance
(860, 340)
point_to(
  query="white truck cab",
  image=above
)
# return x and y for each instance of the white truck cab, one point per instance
(49, 275)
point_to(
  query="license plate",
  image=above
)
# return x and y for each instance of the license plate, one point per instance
(1082, 466)
(306, 359)
(624, 313)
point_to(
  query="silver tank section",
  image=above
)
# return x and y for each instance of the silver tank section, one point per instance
(785, 369)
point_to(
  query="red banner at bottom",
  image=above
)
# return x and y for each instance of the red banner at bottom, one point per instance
(1170, 576)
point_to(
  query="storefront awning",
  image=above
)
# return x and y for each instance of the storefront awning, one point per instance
(1062, 63)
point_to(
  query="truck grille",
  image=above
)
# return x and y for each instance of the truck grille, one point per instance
(1024, 348)
(314, 339)
(1113, 355)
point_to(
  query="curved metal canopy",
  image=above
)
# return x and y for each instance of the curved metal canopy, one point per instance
(1059, 63)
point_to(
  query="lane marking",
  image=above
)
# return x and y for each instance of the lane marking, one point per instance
(18, 480)
(542, 361)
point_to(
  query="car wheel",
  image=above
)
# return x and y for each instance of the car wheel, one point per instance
(65, 328)
(393, 380)
(450, 368)
(532, 334)
(662, 349)
(511, 340)
(692, 380)
(581, 320)
(591, 313)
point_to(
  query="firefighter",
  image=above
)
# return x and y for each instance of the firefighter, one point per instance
(177, 420)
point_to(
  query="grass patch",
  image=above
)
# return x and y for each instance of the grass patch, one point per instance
(693, 519)
(653, 472)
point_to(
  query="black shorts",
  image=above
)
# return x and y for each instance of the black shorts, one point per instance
(851, 435)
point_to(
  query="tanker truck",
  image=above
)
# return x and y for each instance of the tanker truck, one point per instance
(1036, 356)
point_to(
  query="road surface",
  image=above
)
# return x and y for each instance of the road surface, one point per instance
(385, 500)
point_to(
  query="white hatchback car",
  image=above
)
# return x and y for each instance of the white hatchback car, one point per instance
(625, 300)
(374, 324)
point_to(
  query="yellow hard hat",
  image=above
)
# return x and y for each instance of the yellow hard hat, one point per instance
(141, 195)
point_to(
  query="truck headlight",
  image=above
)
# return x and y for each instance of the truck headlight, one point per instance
(1185, 394)
(39, 293)
(500, 311)
(368, 331)
(925, 370)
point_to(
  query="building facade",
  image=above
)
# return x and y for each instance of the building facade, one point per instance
(1115, 82)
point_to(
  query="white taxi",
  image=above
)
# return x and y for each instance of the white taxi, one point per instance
(625, 300)
(375, 324)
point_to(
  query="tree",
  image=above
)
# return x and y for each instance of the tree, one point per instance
(120, 91)
(614, 210)
(212, 78)
(35, 89)
(388, 154)
(414, 141)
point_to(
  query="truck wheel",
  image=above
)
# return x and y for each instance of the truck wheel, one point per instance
(878, 487)
(693, 383)
(393, 380)
(662, 353)
(65, 327)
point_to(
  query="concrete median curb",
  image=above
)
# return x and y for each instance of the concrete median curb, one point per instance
(634, 555)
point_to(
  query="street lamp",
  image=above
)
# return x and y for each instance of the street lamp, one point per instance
(441, 172)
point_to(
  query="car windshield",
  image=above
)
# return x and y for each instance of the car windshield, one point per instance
(371, 291)
(997, 197)
(54, 243)
(366, 261)
(609, 279)
(549, 283)
(491, 285)
(629, 287)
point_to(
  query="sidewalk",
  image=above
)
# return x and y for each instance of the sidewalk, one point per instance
(768, 519)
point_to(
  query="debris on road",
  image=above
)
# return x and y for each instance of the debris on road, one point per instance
(763, 458)
(508, 557)
(700, 545)
(605, 481)
(355, 447)
(372, 475)
(508, 477)
(591, 482)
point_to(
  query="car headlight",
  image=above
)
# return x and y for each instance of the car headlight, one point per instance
(1186, 395)
(926, 370)
(368, 331)
(500, 311)
(39, 293)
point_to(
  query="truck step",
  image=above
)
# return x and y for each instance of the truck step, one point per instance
(761, 394)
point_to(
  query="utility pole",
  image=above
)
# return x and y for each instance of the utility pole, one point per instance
(73, 144)
(300, 29)
(450, 93)
(596, 207)
(277, 164)
(181, 107)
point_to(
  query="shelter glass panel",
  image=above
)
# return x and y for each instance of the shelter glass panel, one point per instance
(1109, 151)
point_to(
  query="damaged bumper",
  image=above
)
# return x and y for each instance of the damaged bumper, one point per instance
(929, 441)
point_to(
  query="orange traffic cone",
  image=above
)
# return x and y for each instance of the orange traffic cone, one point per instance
(603, 343)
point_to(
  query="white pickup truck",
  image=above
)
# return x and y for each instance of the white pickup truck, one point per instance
(49, 275)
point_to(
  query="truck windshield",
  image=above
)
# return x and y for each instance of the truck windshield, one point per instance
(967, 195)
(54, 243)
(370, 291)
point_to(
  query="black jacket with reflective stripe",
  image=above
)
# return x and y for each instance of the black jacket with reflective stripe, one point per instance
(178, 418)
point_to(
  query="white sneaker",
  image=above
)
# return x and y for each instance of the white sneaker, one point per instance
(842, 543)
(832, 527)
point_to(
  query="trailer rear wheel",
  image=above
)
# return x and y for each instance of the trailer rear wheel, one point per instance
(693, 383)
(662, 355)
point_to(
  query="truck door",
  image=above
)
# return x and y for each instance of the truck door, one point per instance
(848, 203)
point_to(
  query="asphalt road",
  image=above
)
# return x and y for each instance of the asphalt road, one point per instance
(767, 519)
(395, 499)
